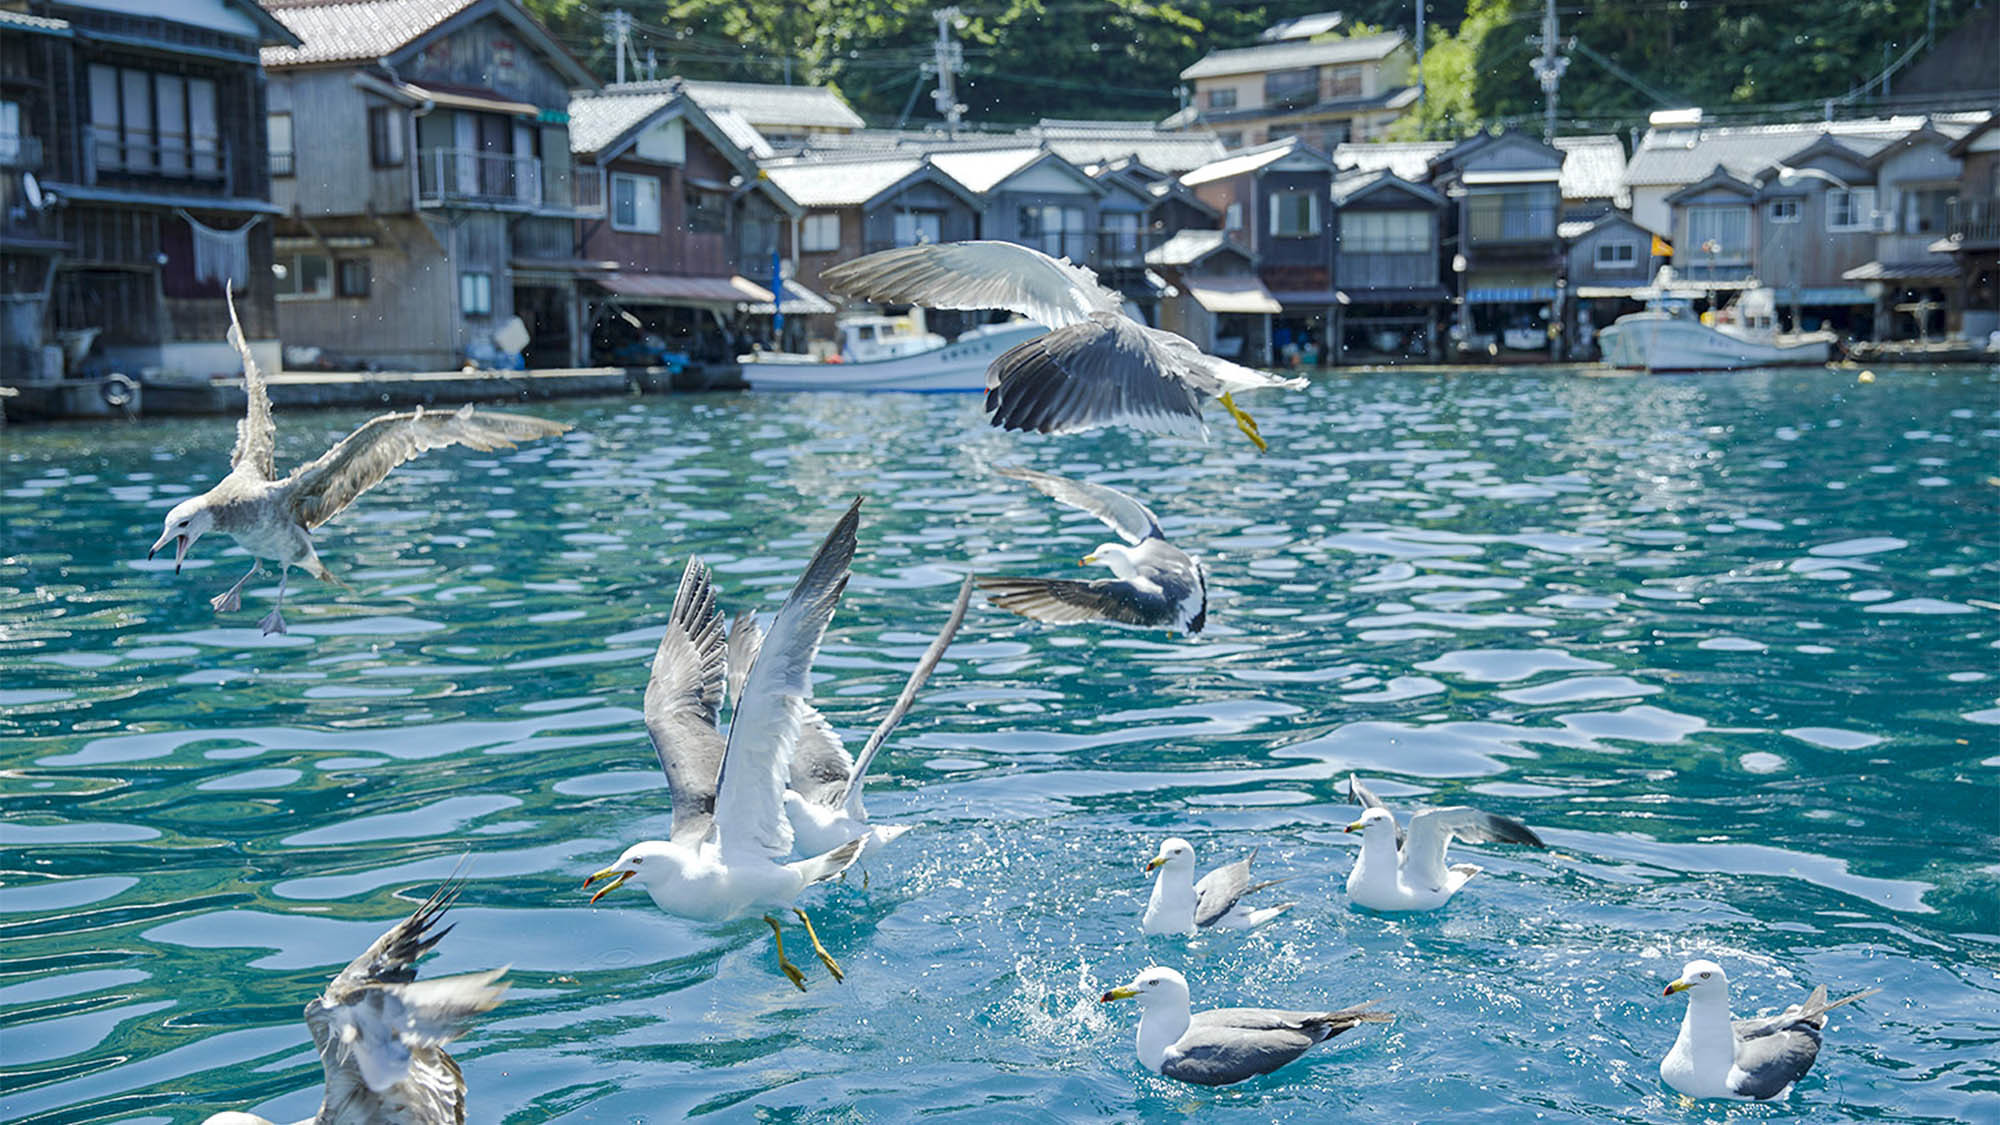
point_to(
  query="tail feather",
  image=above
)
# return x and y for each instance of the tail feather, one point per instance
(828, 865)
(1346, 1019)
(1816, 1007)
(1259, 917)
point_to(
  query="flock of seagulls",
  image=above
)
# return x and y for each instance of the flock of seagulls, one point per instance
(771, 804)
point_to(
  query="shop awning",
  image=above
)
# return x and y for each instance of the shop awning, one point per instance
(701, 292)
(1412, 295)
(799, 301)
(1823, 295)
(473, 98)
(1595, 292)
(1509, 294)
(1232, 295)
(1933, 269)
(1305, 298)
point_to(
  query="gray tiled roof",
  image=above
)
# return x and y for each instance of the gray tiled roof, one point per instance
(24, 22)
(596, 120)
(1593, 167)
(1682, 156)
(1249, 160)
(364, 29)
(1409, 160)
(740, 132)
(840, 183)
(804, 107)
(1287, 55)
(1085, 142)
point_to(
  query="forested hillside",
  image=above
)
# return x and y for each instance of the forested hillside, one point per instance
(1026, 59)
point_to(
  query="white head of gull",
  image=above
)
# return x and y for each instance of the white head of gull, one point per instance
(274, 519)
(1223, 1045)
(1397, 873)
(1096, 367)
(1154, 583)
(1717, 1057)
(726, 856)
(1179, 905)
(381, 1032)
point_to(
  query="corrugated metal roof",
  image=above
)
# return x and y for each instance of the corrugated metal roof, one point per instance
(761, 104)
(364, 29)
(840, 183)
(596, 120)
(1290, 55)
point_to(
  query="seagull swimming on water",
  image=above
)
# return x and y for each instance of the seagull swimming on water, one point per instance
(1717, 1057)
(823, 796)
(381, 1032)
(1096, 367)
(1396, 873)
(1179, 905)
(1224, 1045)
(1156, 584)
(725, 857)
(273, 518)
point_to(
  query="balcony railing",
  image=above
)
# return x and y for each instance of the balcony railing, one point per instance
(282, 163)
(1974, 220)
(19, 152)
(1494, 224)
(499, 179)
(169, 155)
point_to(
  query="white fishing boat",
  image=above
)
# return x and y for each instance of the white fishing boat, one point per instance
(1742, 336)
(881, 353)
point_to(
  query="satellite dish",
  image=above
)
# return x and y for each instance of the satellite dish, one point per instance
(32, 188)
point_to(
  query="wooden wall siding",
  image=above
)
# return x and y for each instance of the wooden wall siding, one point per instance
(757, 222)
(544, 238)
(491, 55)
(406, 321)
(1582, 257)
(1219, 194)
(957, 222)
(1805, 252)
(1275, 251)
(1172, 215)
(1001, 218)
(812, 263)
(334, 173)
(1385, 271)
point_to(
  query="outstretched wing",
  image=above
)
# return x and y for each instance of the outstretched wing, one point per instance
(977, 275)
(392, 959)
(1433, 830)
(821, 764)
(683, 699)
(744, 640)
(1104, 371)
(256, 449)
(1063, 601)
(764, 733)
(1362, 796)
(391, 1033)
(919, 675)
(1133, 521)
(321, 489)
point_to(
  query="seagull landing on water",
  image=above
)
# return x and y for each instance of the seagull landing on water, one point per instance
(823, 797)
(1156, 585)
(1396, 873)
(381, 1032)
(1182, 906)
(273, 519)
(725, 856)
(1224, 1045)
(1096, 367)
(1717, 1057)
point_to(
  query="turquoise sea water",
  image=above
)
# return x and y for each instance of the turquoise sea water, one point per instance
(1727, 643)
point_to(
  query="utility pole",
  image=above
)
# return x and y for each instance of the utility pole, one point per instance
(1422, 94)
(950, 56)
(618, 29)
(1549, 67)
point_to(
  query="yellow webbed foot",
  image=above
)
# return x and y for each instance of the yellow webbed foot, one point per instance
(790, 970)
(825, 958)
(1245, 423)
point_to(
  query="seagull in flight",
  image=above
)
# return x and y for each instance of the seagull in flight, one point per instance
(1717, 1057)
(725, 857)
(381, 1032)
(823, 796)
(1397, 872)
(274, 519)
(1096, 367)
(1154, 583)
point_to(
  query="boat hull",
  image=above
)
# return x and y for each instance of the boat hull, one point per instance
(1659, 342)
(959, 366)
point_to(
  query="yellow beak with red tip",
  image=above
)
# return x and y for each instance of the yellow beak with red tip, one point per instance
(616, 876)
(1122, 992)
(1677, 986)
(1154, 863)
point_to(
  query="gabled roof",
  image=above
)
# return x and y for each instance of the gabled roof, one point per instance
(274, 32)
(1570, 231)
(1926, 133)
(1347, 189)
(603, 124)
(1681, 154)
(1409, 160)
(859, 181)
(741, 133)
(1593, 167)
(1720, 178)
(1192, 247)
(1824, 145)
(1254, 159)
(1964, 144)
(763, 104)
(1089, 142)
(343, 31)
(982, 170)
(1464, 150)
(1291, 54)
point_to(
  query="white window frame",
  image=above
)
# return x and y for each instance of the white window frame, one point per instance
(645, 198)
(294, 267)
(1232, 218)
(279, 128)
(1708, 213)
(1859, 205)
(1608, 261)
(1277, 202)
(819, 232)
(1222, 97)
(1785, 210)
(475, 294)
